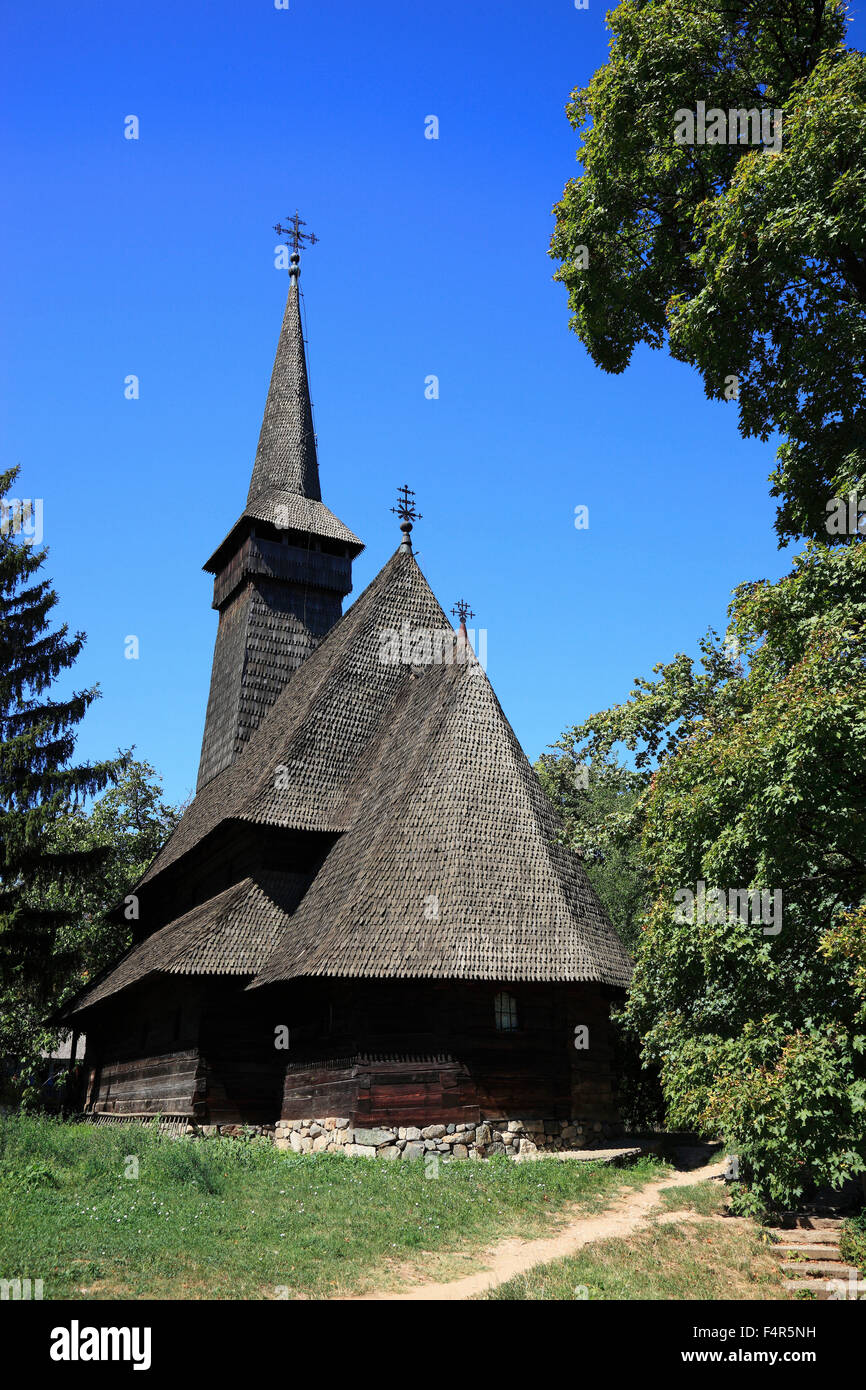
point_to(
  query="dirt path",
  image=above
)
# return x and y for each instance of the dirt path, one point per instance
(509, 1257)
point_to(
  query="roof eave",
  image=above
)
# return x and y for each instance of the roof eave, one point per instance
(247, 520)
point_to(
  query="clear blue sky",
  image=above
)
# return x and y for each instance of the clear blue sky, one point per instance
(155, 257)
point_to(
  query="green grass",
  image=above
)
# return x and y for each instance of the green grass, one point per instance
(230, 1219)
(705, 1198)
(692, 1260)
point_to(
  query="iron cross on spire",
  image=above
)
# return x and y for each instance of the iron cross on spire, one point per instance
(405, 509)
(462, 611)
(294, 233)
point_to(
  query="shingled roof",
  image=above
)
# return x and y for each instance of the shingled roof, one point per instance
(286, 459)
(451, 866)
(447, 862)
(231, 934)
(321, 724)
(286, 512)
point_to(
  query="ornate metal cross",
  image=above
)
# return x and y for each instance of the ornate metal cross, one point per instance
(462, 611)
(294, 233)
(405, 507)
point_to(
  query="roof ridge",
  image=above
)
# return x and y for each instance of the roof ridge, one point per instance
(373, 812)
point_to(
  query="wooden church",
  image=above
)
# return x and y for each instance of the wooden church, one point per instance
(363, 932)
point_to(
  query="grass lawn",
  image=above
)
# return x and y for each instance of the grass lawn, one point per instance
(229, 1219)
(692, 1259)
(705, 1198)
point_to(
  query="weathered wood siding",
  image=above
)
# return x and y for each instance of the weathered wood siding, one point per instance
(375, 1051)
(404, 1052)
(142, 1051)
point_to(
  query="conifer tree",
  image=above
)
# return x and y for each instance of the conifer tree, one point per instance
(39, 783)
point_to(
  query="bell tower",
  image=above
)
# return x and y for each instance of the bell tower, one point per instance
(282, 572)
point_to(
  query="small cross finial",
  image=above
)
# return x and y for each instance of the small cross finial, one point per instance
(297, 239)
(462, 611)
(294, 233)
(405, 509)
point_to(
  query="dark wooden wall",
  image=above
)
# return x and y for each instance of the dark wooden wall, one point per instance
(232, 852)
(379, 1052)
(242, 1068)
(408, 1052)
(142, 1050)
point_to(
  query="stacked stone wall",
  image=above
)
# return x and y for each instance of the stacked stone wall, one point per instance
(510, 1137)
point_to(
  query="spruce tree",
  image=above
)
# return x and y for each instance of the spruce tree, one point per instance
(39, 785)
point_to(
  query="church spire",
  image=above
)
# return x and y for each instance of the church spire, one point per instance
(286, 458)
(281, 573)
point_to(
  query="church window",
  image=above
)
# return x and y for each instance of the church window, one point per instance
(505, 1009)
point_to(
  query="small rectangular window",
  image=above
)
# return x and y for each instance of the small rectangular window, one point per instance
(505, 1008)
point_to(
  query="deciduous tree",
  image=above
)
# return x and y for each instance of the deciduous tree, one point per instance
(747, 261)
(757, 762)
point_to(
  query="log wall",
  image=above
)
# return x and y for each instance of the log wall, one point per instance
(377, 1052)
(142, 1051)
(414, 1052)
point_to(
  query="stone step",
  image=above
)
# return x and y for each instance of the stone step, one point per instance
(829, 1269)
(808, 1252)
(793, 1221)
(823, 1292)
(615, 1157)
(808, 1235)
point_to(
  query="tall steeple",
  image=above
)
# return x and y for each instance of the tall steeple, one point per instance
(286, 459)
(282, 572)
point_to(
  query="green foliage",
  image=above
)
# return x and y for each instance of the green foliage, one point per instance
(747, 264)
(598, 801)
(845, 942)
(129, 823)
(34, 1174)
(792, 1102)
(61, 866)
(598, 823)
(852, 1243)
(38, 785)
(758, 763)
(123, 830)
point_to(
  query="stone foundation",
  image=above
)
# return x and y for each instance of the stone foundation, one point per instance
(198, 1131)
(337, 1135)
(509, 1137)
